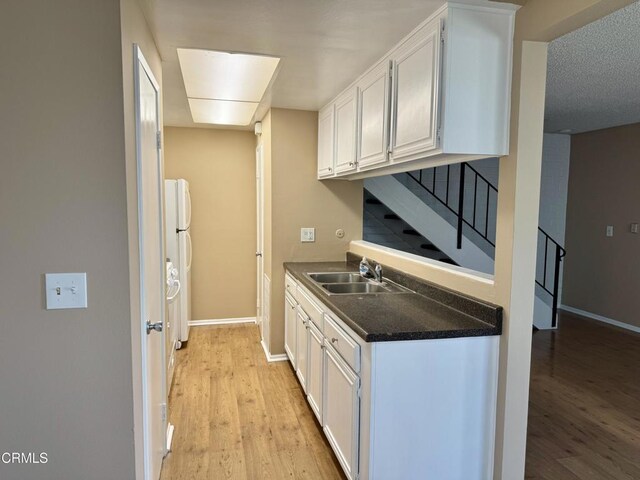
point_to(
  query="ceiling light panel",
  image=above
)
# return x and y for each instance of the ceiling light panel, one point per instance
(222, 112)
(226, 76)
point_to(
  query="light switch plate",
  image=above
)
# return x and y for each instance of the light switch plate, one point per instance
(66, 290)
(307, 235)
(633, 228)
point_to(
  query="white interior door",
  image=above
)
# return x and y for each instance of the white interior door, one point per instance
(260, 239)
(152, 266)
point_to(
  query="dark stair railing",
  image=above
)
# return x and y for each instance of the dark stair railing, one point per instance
(552, 249)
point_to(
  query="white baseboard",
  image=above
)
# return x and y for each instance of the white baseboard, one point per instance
(273, 358)
(170, 430)
(599, 318)
(221, 321)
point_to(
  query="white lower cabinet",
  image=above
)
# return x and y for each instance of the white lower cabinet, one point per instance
(290, 318)
(396, 409)
(341, 411)
(315, 362)
(302, 326)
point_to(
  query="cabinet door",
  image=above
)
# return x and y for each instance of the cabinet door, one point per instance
(302, 325)
(326, 141)
(345, 113)
(315, 371)
(416, 87)
(373, 117)
(341, 413)
(290, 318)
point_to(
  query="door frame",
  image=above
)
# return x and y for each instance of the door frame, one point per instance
(260, 240)
(139, 60)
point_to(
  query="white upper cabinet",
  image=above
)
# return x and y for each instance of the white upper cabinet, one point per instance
(326, 141)
(442, 95)
(373, 117)
(415, 81)
(345, 134)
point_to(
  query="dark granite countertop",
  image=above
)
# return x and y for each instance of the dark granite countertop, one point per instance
(428, 312)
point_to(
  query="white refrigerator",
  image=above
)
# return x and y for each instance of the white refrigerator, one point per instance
(179, 251)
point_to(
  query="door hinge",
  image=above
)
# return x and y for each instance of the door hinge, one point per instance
(163, 410)
(438, 134)
(442, 34)
(159, 140)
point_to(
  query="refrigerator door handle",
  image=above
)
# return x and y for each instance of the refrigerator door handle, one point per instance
(189, 245)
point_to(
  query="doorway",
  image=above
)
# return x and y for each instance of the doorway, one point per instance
(261, 312)
(152, 265)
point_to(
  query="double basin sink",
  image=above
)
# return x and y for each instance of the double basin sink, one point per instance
(350, 283)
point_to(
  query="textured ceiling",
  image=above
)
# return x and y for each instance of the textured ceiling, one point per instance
(594, 75)
(324, 44)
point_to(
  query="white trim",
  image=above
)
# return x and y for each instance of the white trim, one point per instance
(600, 318)
(140, 61)
(170, 430)
(221, 321)
(273, 358)
(475, 275)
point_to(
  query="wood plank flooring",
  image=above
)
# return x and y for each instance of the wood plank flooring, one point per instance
(584, 409)
(238, 417)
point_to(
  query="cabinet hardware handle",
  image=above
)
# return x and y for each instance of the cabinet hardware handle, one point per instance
(351, 164)
(334, 340)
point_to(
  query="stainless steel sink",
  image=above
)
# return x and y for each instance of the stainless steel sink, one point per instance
(352, 283)
(342, 277)
(354, 288)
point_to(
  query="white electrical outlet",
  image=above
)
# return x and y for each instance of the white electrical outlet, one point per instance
(609, 230)
(66, 290)
(634, 228)
(307, 235)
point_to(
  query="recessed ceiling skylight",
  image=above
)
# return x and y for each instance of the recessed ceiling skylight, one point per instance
(232, 83)
(222, 112)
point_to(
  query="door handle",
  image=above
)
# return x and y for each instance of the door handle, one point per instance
(258, 254)
(157, 327)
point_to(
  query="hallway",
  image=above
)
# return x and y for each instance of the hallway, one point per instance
(238, 417)
(584, 409)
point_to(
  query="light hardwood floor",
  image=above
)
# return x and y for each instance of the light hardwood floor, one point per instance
(238, 417)
(584, 414)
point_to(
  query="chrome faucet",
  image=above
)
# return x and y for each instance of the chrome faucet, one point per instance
(367, 271)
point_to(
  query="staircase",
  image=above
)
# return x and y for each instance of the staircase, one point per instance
(384, 227)
(449, 213)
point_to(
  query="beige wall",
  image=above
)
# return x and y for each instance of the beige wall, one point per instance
(66, 374)
(220, 166)
(602, 274)
(298, 200)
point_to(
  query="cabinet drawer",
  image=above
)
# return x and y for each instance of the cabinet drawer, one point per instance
(348, 349)
(310, 308)
(291, 286)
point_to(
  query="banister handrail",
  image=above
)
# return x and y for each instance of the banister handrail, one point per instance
(488, 187)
